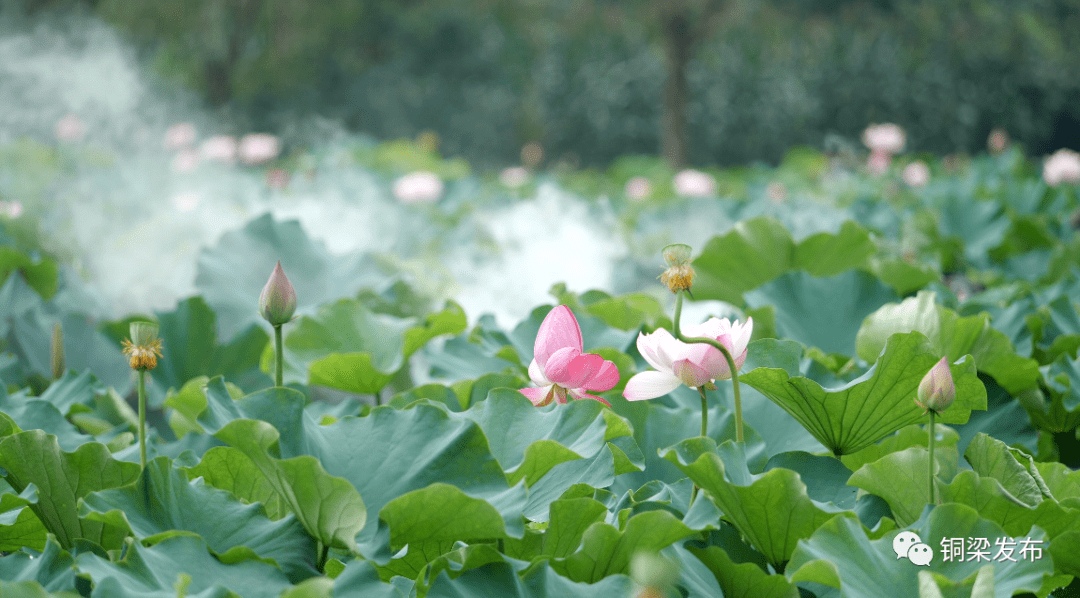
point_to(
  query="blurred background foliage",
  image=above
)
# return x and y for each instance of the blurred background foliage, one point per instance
(595, 80)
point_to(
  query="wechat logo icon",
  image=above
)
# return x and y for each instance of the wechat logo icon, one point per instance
(909, 546)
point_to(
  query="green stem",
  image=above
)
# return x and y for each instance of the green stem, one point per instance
(931, 476)
(142, 418)
(727, 355)
(324, 551)
(704, 412)
(279, 373)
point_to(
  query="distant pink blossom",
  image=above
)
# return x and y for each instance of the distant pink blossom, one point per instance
(69, 128)
(258, 148)
(694, 183)
(776, 192)
(916, 174)
(878, 162)
(887, 138)
(692, 364)
(560, 368)
(998, 140)
(186, 160)
(418, 187)
(514, 177)
(1062, 167)
(11, 209)
(179, 136)
(221, 148)
(638, 188)
(277, 178)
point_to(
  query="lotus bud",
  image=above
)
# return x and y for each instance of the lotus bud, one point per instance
(56, 351)
(937, 391)
(679, 275)
(145, 346)
(278, 300)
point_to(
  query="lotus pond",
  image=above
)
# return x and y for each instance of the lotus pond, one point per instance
(886, 402)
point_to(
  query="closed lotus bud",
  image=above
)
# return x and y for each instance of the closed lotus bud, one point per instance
(278, 300)
(679, 275)
(937, 391)
(145, 346)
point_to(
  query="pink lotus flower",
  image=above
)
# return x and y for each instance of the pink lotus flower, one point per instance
(887, 138)
(219, 147)
(11, 209)
(559, 367)
(185, 160)
(69, 128)
(638, 188)
(258, 148)
(1062, 167)
(418, 187)
(276, 178)
(694, 183)
(514, 177)
(179, 136)
(692, 364)
(916, 174)
(878, 162)
(998, 140)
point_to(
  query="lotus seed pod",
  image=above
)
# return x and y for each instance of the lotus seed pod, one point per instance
(679, 275)
(278, 300)
(145, 346)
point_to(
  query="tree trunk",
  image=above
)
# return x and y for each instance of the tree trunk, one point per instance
(241, 21)
(678, 43)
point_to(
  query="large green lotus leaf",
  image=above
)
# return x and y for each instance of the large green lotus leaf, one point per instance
(163, 500)
(361, 578)
(460, 359)
(36, 414)
(51, 569)
(416, 447)
(85, 347)
(232, 274)
(901, 479)
(364, 348)
(980, 224)
(840, 555)
(996, 504)
(1062, 481)
(752, 253)
(62, 478)
(568, 520)
(874, 405)
(771, 510)
(501, 579)
(950, 335)
(825, 477)
(1063, 377)
(30, 589)
(1065, 550)
(40, 274)
(181, 561)
(657, 427)
(743, 580)
(16, 299)
(329, 508)
(190, 349)
(605, 550)
(228, 469)
(822, 312)
(1005, 419)
(445, 513)
(529, 441)
(905, 278)
(911, 436)
(471, 392)
(596, 472)
(19, 526)
(827, 254)
(1014, 469)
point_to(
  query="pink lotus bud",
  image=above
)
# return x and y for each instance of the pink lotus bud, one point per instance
(1062, 167)
(887, 138)
(638, 188)
(276, 178)
(258, 148)
(219, 147)
(278, 300)
(916, 174)
(418, 187)
(998, 140)
(937, 391)
(694, 183)
(179, 136)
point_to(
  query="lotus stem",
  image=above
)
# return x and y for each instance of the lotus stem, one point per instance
(279, 357)
(931, 446)
(704, 412)
(142, 418)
